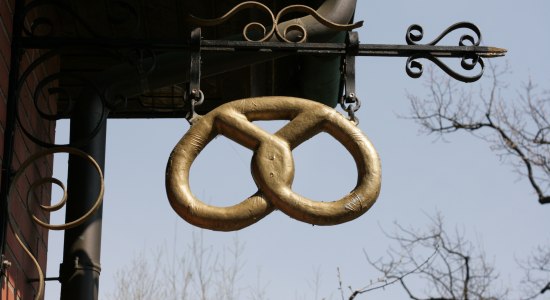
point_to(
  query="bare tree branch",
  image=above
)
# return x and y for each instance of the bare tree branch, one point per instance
(369, 288)
(536, 267)
(454, 270)
(517, 129)
(197, 272)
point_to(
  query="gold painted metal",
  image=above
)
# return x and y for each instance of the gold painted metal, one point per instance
(272, 163)
(276, 21)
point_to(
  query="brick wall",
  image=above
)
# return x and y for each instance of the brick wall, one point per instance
(9, 291)
(15, 280)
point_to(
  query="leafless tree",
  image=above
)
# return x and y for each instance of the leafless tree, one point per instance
(445, 266)
(198, 272)
(536, 268)
(229, 269)
(141, 282)
(517, 127)
(259, 290)
(437, 264)
(428, 264)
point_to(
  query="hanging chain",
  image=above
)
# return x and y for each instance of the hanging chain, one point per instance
(348, 97)
(194, 95)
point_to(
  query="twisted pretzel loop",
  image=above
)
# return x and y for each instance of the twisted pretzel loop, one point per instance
(272, 163)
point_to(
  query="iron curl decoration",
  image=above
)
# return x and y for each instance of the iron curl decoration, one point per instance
(412, 38)
(41, 22)
(274, 30)
(267, 34)
(310, 11)
(50, 208)
(48, 87)
(415, 69)
(69, 86)
(415, 33)
(121, 12)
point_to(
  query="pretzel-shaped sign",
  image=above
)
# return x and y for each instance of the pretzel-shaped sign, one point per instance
(272, 163)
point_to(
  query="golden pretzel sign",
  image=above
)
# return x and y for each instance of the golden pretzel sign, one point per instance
(272, 163)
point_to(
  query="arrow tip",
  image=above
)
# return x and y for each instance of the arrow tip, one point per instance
(492, 52)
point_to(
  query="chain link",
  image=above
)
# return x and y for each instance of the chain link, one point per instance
(195, 98)
(351, 104)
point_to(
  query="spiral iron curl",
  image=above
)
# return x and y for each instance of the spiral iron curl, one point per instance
(274, 30)
(414, 68)
(44, 90)
(121, 12)
(54, 181)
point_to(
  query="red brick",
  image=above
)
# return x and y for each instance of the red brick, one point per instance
(7, 11)
(19, 150)
(41, 257)
(28, 58)
(8, 289)
(4, 81)
(27, 113)
(6, 20)
(25, 227)
(15, 255)
(10, 4)
(2, 112)
(17, 278)
(21, 262)
(19, 187)
(15, 268)
(1, 143)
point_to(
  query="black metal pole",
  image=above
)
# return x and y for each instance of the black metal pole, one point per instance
(79, 272)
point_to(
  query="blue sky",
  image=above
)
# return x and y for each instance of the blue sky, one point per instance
(459, 177)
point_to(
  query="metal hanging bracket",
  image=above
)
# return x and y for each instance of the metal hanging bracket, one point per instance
(468, 49)
(348, 96)
(194, 94)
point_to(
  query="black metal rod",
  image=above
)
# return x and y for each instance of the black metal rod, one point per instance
(385, 50)
(79, 272)
(9, 131)
(45, 279)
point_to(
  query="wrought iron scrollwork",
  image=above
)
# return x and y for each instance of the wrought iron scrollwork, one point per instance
(30, 199)
(55, 95)
(124, 13)
(45, 180)
(274, 28)
(37, 24)
(413, 38)
(48, 88)
(415, 34)
(415, 69)
(120, 13)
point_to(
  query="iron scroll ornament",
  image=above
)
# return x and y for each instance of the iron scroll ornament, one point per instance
(32, 201)
(272, 163)
(275, 20)
(469, 61)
